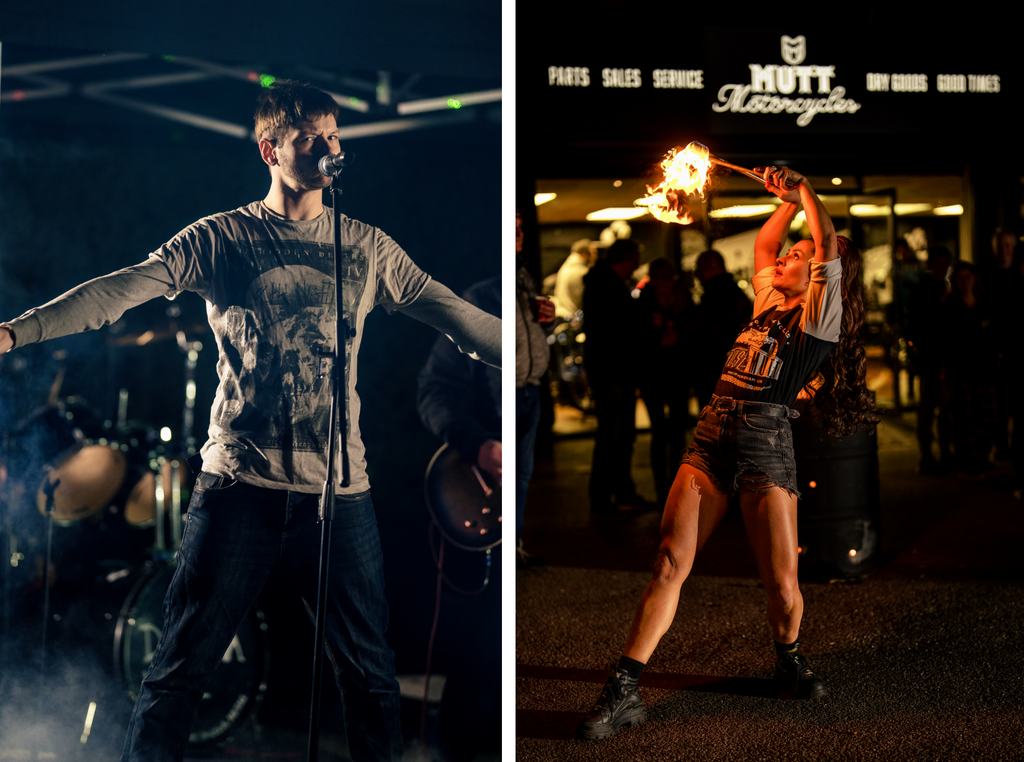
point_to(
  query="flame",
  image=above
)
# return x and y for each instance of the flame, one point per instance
(685, 173)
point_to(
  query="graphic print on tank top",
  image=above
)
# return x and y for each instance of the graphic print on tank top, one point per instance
(756, 359)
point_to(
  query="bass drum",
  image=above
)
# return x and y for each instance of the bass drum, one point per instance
(92, 527)
(237, 685)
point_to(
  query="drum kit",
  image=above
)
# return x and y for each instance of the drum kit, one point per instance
(90, 521)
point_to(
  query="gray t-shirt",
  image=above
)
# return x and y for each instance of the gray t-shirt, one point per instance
(269, 287)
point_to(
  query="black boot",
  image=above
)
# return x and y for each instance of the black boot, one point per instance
(619, 706)
(525, 561)
(794, 679)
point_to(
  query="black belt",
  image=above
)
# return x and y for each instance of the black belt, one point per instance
(729, 406)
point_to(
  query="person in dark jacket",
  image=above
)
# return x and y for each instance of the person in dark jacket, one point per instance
(613, 332)
(1000, 284)
(926, 340)
(459, 400)
(723, 311)
(970, 360)
(534, 318)
(664, 368)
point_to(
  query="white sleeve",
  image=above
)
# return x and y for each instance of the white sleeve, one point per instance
(823, 310)
(765, 297)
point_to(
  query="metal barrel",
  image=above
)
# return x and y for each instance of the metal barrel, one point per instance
(840, 505)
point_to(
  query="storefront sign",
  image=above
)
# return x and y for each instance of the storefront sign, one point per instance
(772, 84)
(746, 80)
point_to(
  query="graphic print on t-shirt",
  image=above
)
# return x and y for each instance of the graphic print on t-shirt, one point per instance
(754, 361)
(283, 334)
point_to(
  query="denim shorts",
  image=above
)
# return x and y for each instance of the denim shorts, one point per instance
(748, 448)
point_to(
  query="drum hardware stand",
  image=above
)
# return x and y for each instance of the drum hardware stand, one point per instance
(122, 409)
(191, 350)
(11, 556)
(159, 544)
(338, 420)
(172, 486)
(176, 503)
(48, 489)
(160, 550)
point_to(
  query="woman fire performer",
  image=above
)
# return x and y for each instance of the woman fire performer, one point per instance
(808, 314)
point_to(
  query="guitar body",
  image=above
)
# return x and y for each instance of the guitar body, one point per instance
(463, 501)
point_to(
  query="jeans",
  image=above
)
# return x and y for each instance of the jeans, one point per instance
(748, 451)
(611, 471)
(527, 418)
(468, 651)
(234, 535)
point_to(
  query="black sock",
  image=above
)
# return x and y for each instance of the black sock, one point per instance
(631, 667)
(781, 649)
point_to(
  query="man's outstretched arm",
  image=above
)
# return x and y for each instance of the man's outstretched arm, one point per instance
(474, 331)
(91, 305)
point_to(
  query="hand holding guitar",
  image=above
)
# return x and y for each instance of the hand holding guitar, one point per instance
(488, 459)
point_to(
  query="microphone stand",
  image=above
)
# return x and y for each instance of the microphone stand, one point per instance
(338, 418)
(48, 489)
(8, 557)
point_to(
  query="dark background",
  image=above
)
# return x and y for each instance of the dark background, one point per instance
(578, 132)
(87, 188)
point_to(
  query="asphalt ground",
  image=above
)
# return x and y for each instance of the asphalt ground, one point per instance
(924, 657)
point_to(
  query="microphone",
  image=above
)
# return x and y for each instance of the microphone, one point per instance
(330, 165)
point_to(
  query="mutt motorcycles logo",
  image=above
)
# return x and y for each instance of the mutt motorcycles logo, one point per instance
(772, 85)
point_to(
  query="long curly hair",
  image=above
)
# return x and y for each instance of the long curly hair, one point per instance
(841, 391)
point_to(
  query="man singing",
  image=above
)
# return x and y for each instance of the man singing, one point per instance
(266, 271)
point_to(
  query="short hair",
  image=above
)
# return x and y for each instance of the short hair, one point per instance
(961, 265)
(661, 267)
(581, 245)
(288, 102)
(711, 257)
(621, 250)
(999, 233)
(936, 253)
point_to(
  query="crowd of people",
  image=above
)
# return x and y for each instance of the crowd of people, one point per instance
(662, 336)
(958, 322)
(649, 337)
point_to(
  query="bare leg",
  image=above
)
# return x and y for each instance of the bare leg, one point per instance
(694, 508)
(770, 518)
